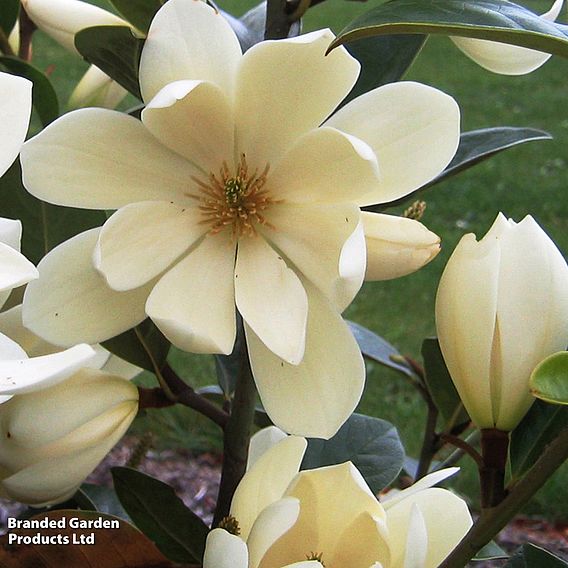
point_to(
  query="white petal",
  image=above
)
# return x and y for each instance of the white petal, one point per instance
(28, 375)
(120, 368)
(194, 119)
(9, 349)
(188, 40)
(325, 165)
(11, 232)
(141, 240)
(70, 302)
(271, 298)
(274, 521)
(15, 268)
(416, 541)
(266, 481)
(193, 303)
(62, 19)
(317, 396)
(312, 237)
(115, 161)
(413, 129)
(96, 89)
(352, 267)
(396, 246)
(15, 111)
(309, 86)
(224, 550)
(261, 442)
(504, 58)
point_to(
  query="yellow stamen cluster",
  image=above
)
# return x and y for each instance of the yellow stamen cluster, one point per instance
(314, 556)
(234, 200)
(230, 524)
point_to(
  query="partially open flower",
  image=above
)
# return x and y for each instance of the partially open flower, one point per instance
(502, 307)
(52, 439)
(329, 517)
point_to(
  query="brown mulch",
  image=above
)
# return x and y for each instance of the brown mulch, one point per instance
(195, 478)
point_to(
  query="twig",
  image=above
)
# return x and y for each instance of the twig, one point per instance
(464, 446)
(429, 443)
(27, 29)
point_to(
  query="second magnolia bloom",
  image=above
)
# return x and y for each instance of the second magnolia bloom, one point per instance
(502, 307)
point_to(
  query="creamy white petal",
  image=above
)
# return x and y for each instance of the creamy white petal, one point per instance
(352, 267)
(62, 19)
(141, 240)
(27, 375)
(260, 442)
(11, 232)
(325, 165)
(194, 119)
(396, 246)
(466, 309)
(225, 550)
(271, 299)
(413, 129)
(71, 302)
(273, 521)
(115, 161)
(317, 396)
(266, 481)
(96, 89)
(309, 86)
(503, 58)
(179, 46)
(9, 349)
(15, 268)
(417, 540)
(312, 237)
(193, 303)
(15, 111)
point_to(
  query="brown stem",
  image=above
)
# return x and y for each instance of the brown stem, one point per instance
(153, 398)
(458, 454)
(464, 446)
(429, 443)
(278, 21)
(494, 449)
(27, 29)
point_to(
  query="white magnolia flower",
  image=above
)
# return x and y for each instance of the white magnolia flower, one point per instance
(61, 20)
(237, 189)
(52, 439)
(502, 307)
(504, 58)
(329, 515)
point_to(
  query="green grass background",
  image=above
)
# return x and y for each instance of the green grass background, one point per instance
(528, 179)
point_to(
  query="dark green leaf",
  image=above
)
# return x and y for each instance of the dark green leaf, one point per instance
(161, 515)
(377, 349)
(383, 60)
(496, 20)
(531, 556)
(44, 97)
(549, 381)
(371, 444)
(105, 500)
(539, 427)
(115, 50)
(45, 225)
(144, 346)
(139, 13)
(475, 147)
(490, 551)
(440, 384)
(9, 10)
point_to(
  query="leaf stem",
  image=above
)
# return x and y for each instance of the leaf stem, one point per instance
(494, 519)
(27, 29)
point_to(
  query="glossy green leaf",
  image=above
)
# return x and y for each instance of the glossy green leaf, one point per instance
(440, 384)
(477, 146)
(115, 50)
(9, 10)
(105, 500)
(384, 59)
(161, 515)
(44, 97)
(371, 444)
(496, 20)
(144, 346)
(549, 380)
(377, 349)
(531, 556)
(490, 551)
(45, 225)
(139, 13)
(540, 426)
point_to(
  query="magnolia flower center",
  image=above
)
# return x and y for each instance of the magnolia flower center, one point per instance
(236, 199)
(316, 556)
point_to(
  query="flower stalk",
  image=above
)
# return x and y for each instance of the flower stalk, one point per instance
(27, 29)
(494, 450)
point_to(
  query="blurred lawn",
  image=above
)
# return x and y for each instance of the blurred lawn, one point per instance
(529, 179)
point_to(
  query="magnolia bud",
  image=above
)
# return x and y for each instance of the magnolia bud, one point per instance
(96, 89)
(51, 440)
(502, 306)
